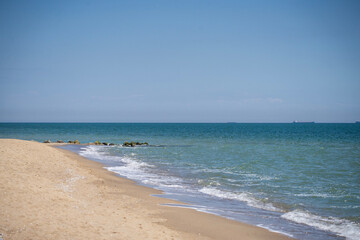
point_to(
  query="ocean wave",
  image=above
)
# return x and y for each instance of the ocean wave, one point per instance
(132, 168)
(92, 152)
(138, 171)
(238, 176)
(158, 182)
(243, 197)
(101, 153)
(253, 176)
(341, 227)
(208, 183)
(321, 195)
(345, 207)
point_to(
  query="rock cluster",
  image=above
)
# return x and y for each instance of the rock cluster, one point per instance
(58, 141)
(104, 143)
(126, 144)
(133, 144)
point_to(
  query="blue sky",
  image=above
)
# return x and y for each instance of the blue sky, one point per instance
(180, 61)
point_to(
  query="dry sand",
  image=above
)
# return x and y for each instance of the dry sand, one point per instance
(49, 193)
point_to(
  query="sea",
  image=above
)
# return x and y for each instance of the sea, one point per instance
(297, 179)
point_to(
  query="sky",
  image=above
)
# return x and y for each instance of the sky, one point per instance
(180, 61)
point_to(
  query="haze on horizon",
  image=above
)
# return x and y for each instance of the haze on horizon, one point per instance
(180, 61)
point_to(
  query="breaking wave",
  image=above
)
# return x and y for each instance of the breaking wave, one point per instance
(342, 227)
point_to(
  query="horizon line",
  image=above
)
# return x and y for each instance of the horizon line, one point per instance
(230, 122)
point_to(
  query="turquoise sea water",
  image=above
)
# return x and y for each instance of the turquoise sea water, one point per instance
(299, 179)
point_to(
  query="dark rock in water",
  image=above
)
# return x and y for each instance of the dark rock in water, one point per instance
(76, 142)
(59, 141)
(97, 143)
(133, 144)
(70, 142)
(105, 143)
(47, 141)
(111, 144)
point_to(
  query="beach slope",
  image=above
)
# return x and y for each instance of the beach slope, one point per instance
(49, 193)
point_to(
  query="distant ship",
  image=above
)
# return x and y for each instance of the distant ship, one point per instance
(301, 122)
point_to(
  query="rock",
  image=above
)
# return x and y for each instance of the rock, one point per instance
(76, 142)
(70, 142)
(97, 143)
(133, 144)
(105, 143)
(111, 144)
(59, 141)
(47, 141)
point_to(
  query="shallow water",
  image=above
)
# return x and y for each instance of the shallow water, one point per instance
(298, 179)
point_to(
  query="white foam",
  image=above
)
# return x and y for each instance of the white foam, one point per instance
(321, 195)
(99, 153)
(92, 152)
(159, 182)
(136, 171)
(244, 197)
(211, 183)
(132, 168)
(342, 227)
(345, 207)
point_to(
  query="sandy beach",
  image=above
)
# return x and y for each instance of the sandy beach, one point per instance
(50, 193)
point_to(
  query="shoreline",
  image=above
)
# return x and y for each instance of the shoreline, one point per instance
(83, 200)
